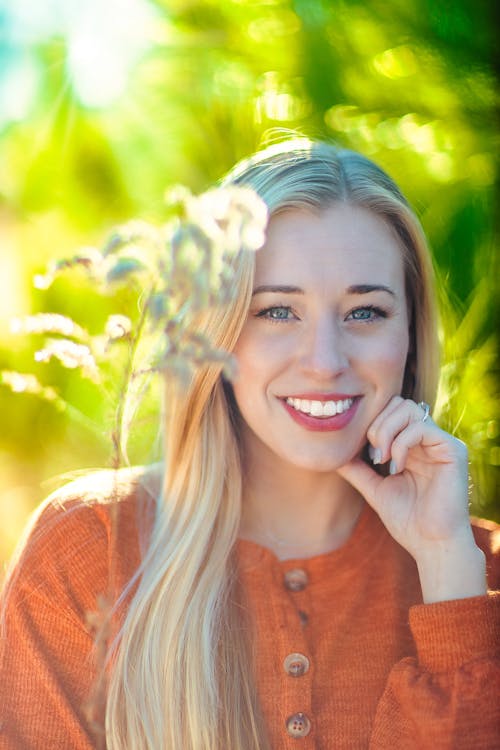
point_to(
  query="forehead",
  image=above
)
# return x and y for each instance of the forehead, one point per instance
(341, 244)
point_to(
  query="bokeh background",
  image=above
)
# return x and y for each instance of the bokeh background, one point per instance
(106, 103)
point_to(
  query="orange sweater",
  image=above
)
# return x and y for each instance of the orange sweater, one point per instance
(347, 656)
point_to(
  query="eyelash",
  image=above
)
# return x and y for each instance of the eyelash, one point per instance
(266, 313)
(379, 313)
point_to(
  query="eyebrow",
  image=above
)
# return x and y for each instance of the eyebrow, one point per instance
(354, 289)
(367, 288)
(279, 288)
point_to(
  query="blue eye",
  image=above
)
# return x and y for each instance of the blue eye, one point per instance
(278, 312)
(367, 313)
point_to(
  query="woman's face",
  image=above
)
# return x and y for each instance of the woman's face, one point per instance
(325, 343)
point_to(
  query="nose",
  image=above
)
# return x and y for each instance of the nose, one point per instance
(323, 352)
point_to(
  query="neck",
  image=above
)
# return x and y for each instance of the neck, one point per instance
(297, 513)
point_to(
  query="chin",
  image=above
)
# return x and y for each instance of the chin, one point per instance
(320, 464)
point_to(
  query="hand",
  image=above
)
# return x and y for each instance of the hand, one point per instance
(423, 502)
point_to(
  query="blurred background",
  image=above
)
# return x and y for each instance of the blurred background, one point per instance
(105, 104)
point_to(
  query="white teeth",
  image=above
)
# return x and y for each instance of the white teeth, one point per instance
(329, 409)
(302, 404)
(316, 409)
(320, 408)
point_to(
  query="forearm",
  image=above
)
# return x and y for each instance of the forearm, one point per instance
(455, 569)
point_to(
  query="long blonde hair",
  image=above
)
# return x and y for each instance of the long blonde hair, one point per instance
(182, 676)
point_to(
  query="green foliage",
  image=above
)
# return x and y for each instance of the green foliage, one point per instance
(176, 271)
(93, 133)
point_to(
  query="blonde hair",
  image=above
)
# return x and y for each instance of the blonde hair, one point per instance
(182, 676)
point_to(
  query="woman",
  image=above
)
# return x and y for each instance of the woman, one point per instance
(302, 571)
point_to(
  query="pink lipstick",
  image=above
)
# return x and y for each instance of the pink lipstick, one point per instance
(325, 412)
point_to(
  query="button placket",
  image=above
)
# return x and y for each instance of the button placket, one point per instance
(278, 628)
(296, 663)
(296, 581)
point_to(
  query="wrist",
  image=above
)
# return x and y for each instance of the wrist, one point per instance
(454, 569)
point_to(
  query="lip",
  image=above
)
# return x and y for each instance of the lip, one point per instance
(323, 424)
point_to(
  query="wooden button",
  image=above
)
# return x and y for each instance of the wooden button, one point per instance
(296, 579)
(296, 665)
(298, 725)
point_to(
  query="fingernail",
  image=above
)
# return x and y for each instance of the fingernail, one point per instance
(375, 455)
(392, 467)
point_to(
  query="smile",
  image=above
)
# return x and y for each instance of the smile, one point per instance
(326, 415)
(320, 408)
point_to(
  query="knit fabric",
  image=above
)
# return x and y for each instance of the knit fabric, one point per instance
(376, 668)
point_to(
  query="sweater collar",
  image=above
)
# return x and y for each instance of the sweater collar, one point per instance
(367, 535)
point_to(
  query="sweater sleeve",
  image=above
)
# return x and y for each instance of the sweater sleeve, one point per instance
(447, 696)
(48, 663)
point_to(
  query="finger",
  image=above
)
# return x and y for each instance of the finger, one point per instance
(362, 477)
(388, 409)
(373, 451)
(383, 431)
(410, 437)
(438, 446)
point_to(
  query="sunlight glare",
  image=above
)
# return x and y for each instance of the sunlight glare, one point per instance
(104, 43)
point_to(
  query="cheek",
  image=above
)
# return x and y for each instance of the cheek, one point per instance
(387, 357)
(249, 356)
(259, 357)
(260, 360)
(395, 357)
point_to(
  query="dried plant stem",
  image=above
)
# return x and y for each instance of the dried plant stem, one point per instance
(118, 457)
(101, 620)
